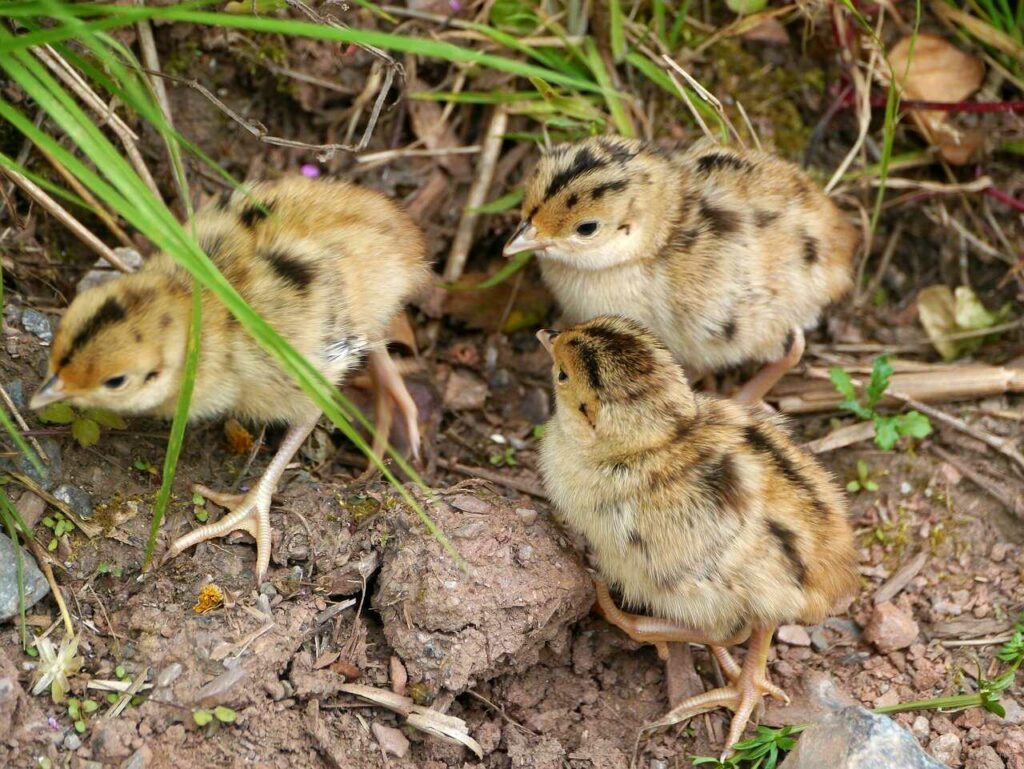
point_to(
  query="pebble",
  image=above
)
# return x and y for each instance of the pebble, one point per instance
(891, 628)
(794, 635)
(527, 515)
(16, 392)
(214, 692)
(31, 508)
(657, 763)
(72, 742)
(139, 759)
(470, 530)
(947, 608)
(268, 589)
(37, 323)
(920, 728)
(1014, 712)
(947, 749)
(523, 554)
(51, 474)
(79, 501)
(906, 488)
(101, 271)
(391, 740)
(984, 757)
(465, 391)
(168, 675)
(36, 585)
(467, 503)
(819, 640)
(999, 551)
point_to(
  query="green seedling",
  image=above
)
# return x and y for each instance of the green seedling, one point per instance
(504, 458)
(221, 713)
(889, 428)
(863, 480)
(538, 432)
(199, 508)
(145, 467)
(105, 569)
(85, 425)
(763, 751)
(60, 526)
(79, 712)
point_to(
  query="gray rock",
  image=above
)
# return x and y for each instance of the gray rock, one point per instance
(76, 499)
(51, 474)
(850, 737)
(35, 583)
(16, 392)
(102, 271)
(37, 323)
(947, 748)
(72, 742)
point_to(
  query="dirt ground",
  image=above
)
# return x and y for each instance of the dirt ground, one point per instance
(359, 592)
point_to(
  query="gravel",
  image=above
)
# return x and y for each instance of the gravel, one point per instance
(35, 583)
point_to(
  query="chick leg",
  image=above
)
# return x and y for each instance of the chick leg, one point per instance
(652, 630)
(764, 380)
(251, 511)
(741, 695)
(389, 391)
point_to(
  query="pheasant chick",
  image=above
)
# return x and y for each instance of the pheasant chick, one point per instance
(726, 255)
(700, 511)
(328, 264)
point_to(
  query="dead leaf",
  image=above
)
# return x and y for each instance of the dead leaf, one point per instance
(770, 31)
(345, 668)
(946, 313)
(240, 440)
(933, 69)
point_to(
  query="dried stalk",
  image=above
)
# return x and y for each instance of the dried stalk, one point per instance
(477, 196)
(55, 209)
(1013, 502)
(23, 424)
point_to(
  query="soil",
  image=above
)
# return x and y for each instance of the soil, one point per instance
(359, 592)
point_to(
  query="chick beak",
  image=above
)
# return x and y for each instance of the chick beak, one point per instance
(524, 239)
(547, 338)
(51, 392)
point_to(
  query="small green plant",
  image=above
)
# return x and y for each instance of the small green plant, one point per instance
(60, 526)
(538, 432)
(85, 425)
(199, 508)
(105, 569)
(888, 428)
(763, 751)
(221, 713)
(863, 480)
(505, 457)
(79, 712)
(145, 467)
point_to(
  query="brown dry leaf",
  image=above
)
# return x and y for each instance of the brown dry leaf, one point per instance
(770, 31)
(345, 668)
(933, 69)
(240, 440)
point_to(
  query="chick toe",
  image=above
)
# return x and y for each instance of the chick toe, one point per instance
(390, 391)
(764, 380)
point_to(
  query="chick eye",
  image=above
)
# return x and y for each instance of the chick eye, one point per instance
(586, 229)
(114, 382)
(562, 376)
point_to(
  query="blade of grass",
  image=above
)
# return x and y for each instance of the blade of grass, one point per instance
(617, 31)
(515, 264)
(504, 203)
(622, 122)
(16, 437)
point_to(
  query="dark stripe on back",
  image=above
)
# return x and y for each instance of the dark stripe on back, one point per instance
(810, 249)
(598, 192)
(584, 161)
(763, 443)
(588, 356)
(719, 160)
(765, 218)
(721, 221)
(618, 152)
(110, 313)
(255, 213)
(722, 481)
(786, 539)
(290, 269)
(572, 200)
(729, 329)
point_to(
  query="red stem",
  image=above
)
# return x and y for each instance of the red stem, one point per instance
(1006, 198)
(962, 106)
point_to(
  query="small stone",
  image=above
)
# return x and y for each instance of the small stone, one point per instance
(37, 323)
(920, 728)
(984, 757)
(467, 503)
(794, 635)
(470, 530)
(657, 763)
(36, 585)
(465, 391)
(139, 759)
(168, 675)
(72, 742)
(76, 499)
(31, 508)
(906, 488)
(819, 640)
(51, 474)
(16, 392)
(527, 515)
(523, 554)
(891, 697)
(947, 608)
(103, 272)
(947, 749)
(891, 628)
(391, 740)
(999, 551)
(1014, 712)
(267, 589)
(216, 690)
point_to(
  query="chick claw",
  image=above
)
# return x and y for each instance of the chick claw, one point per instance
(249, 512)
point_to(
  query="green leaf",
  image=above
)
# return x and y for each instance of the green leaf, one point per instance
(106, 418)
(853, 487)
(886, 432)
(617, 30)
(870, 485)
(80, 726)
(881, 372)
(112, 698)
(202, 717)
(120, 672)
(745, 7)
(504, 203)
(90, 706)
(515, 264)
(914, 424)
(73, 709)
(843, 383)
(202, 514)
(57, 414)
(49, 522)
(224, 714)
(994, 706)
(85, 431)
(52, 545)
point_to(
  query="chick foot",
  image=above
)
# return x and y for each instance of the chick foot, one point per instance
(763, 381)
(748, 684)
(251, 511)
(390, 391)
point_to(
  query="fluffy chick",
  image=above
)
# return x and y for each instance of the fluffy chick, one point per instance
(327, 263)
(700, 511)
(727, 255)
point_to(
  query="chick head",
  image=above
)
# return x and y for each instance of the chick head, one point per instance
(120, 346)
(614, 377)
(584, 204)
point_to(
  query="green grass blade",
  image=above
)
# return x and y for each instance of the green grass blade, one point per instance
(617, 31)
(500, 205)
(612, 98)
(20, 442)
